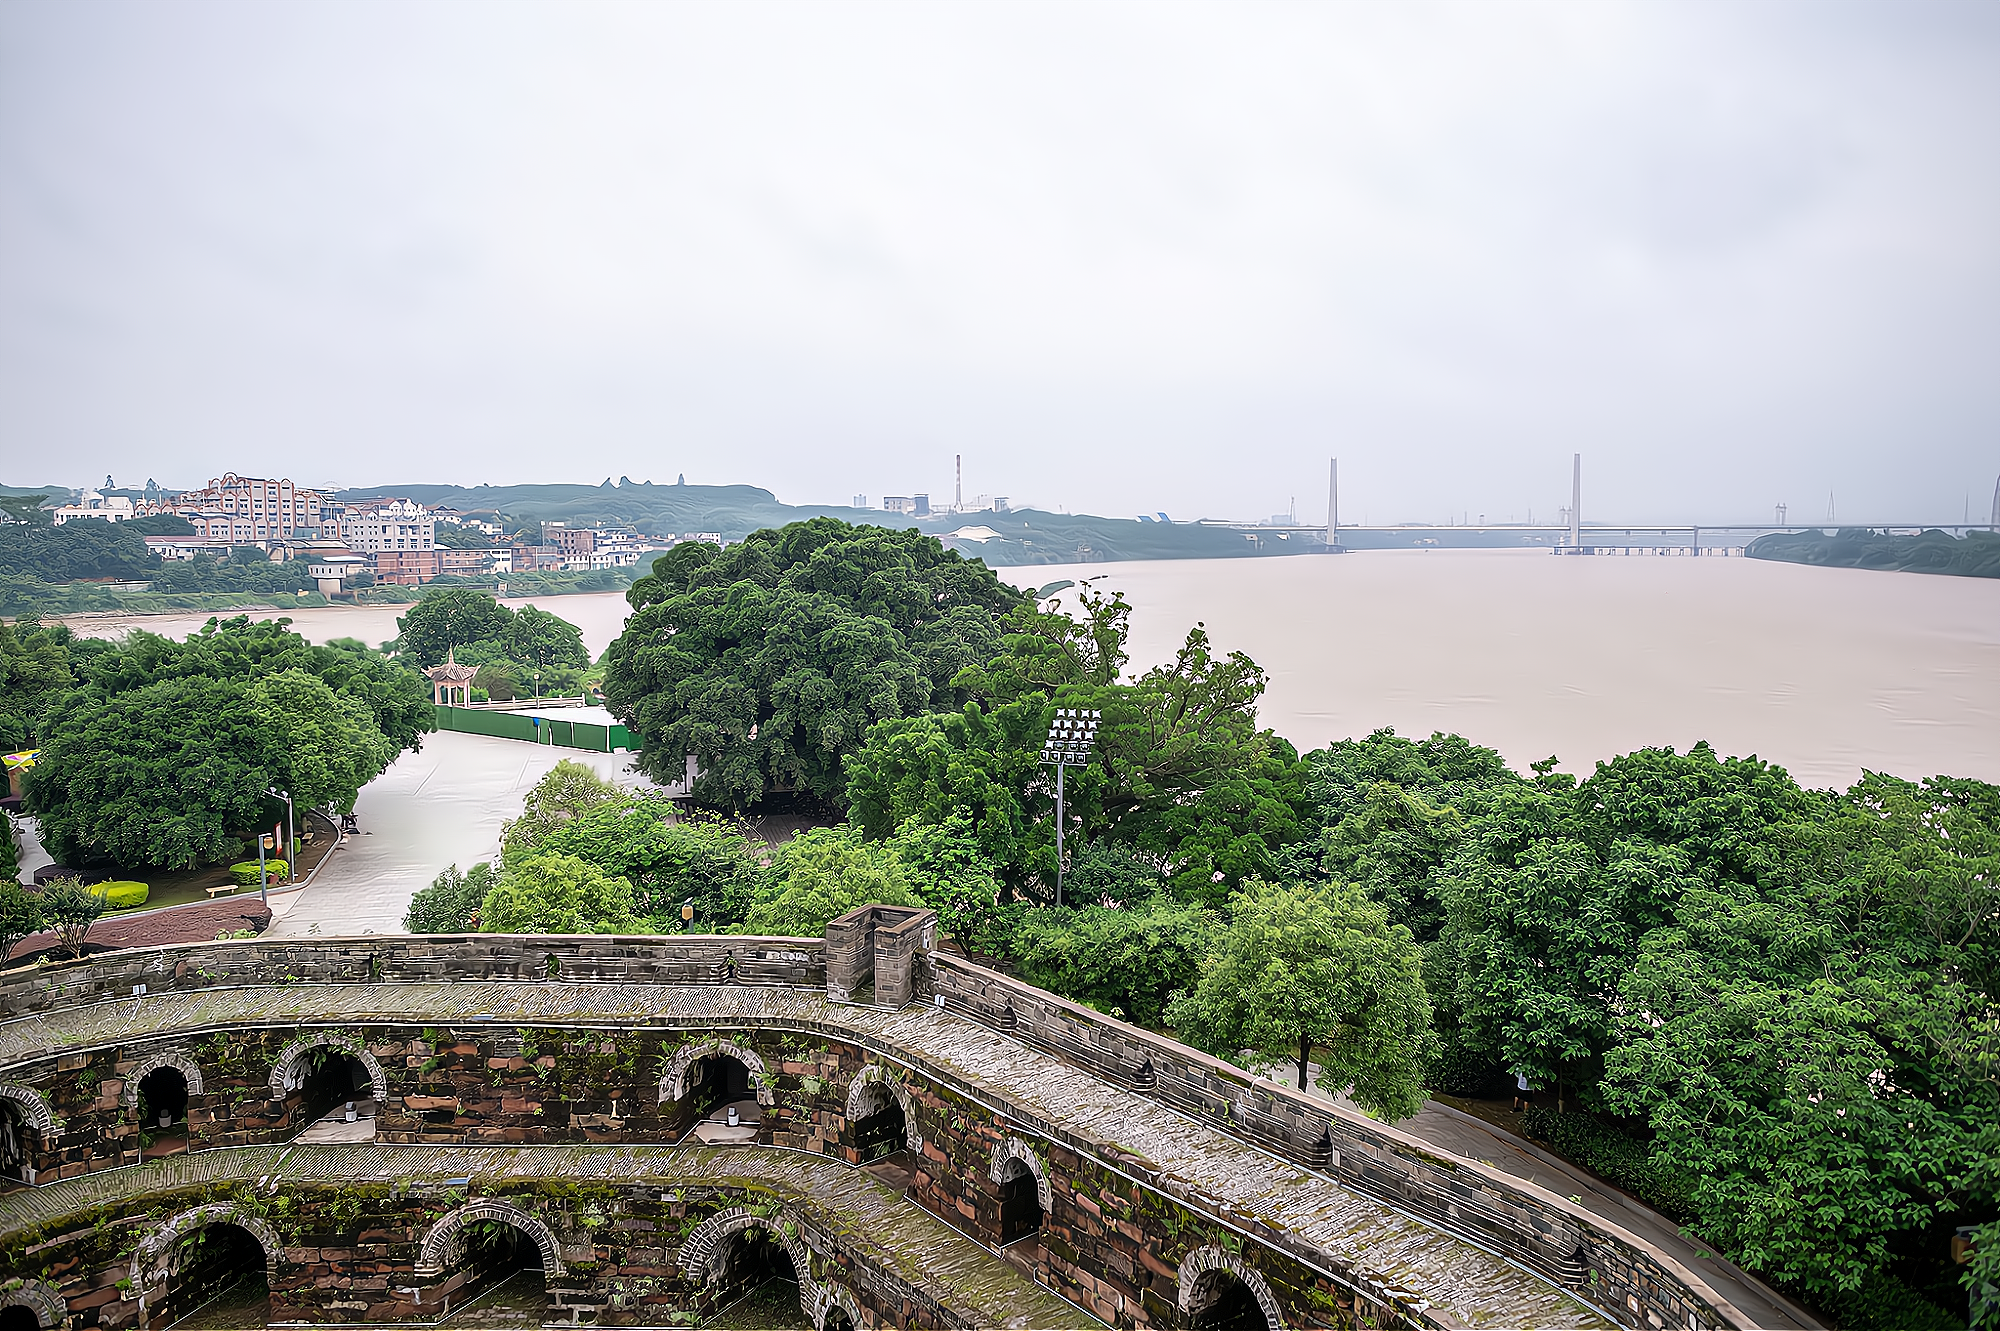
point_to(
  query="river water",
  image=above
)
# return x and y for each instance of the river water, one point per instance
(1826, 671)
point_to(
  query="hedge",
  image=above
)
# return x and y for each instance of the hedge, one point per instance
(245, 873)
(121, 895)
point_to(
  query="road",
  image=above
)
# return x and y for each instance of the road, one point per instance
(441, 805)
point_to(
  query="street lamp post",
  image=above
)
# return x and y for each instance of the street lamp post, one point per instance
(1071, 734)
(291, 834)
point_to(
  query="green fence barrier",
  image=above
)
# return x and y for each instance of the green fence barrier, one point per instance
(536, 729)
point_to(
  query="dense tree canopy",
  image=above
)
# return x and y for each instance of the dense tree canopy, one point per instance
(516, 650)
(1181, 775)
(162, 756)
(768, 661)
(1782, 998)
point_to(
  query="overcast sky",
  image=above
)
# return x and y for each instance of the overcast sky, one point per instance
(1124, 258)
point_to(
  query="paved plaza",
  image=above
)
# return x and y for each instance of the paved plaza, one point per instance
(441, 805)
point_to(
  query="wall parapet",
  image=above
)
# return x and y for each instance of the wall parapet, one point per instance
(1516, 1218)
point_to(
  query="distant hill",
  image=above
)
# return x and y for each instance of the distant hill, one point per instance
(1028, 536)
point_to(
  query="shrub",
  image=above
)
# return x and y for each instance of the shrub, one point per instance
(245, 873)
(121, 895)
(451, 903)
(1611, 1155)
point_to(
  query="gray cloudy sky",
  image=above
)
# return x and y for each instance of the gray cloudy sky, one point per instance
(1123, 257)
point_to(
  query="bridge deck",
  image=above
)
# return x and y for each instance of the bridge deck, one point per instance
(1456, 1282)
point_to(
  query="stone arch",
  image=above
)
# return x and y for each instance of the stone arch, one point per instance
(858, 1096)
(1203, 1260)
(841, 1297)
(444, 1246)
(288, 1074)
(673, 1086)
(1013, 1148)
(39, 1298)
(34, 1108)
(177, 1059)
(697, 1255)
(155, 1259)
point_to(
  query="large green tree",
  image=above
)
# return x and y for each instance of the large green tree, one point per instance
(34, 674)
(558, 894)
(163, 756)
(1180, 773)
(769, 661)
(1300, 971)
(447, 618)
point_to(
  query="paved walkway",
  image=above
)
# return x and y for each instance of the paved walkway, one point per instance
(1377, 1245)
(441, 805)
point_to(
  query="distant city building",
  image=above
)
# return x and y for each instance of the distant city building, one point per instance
(247, 510)
(576, 543)
(94, 505)
(388, 525)
(535, 559)
(406, 568)
(914, 505)
(860, 501)
(186, 548)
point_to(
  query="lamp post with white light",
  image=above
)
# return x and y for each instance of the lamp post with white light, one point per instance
(1071, 733)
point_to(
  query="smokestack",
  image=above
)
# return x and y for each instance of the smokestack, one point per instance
(958, 461)
(1576, 502)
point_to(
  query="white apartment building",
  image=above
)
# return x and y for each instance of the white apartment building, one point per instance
(393, 524)
(248, 510)
(94, 505)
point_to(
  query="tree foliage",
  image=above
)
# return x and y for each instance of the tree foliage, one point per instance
(1785, 997)
(20, 914)
(558, 894)
(822, 874)
(163, 755)
(450, 905)
(1180, 774)
(769, 661)
(70, 908)
(1300, 970)
(515, 650)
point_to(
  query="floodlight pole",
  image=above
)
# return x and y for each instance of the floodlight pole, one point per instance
(1059, 822)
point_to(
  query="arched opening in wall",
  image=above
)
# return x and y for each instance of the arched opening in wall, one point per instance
(503, 1281)
(1020, 1202)
(19, 1317)
(1222, 1302)
(755, 1283)
(220, 1279)
(336, 1096)
(838, 1320)
(163, 1112)
(19, 1140)
(724, 1103)
(881, 1129)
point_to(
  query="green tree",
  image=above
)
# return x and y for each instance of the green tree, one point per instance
(34, 675)
(557, 894)
(668, 857)
(70, 908)
(323, 747)
(565, 792)
(449, 617)
(1180, 774)
(943, 865)
(1299, 970)
(1124, 961)
(822, 874)
(167, 774)
(450, 905)
(20, 914)
(768, 661)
